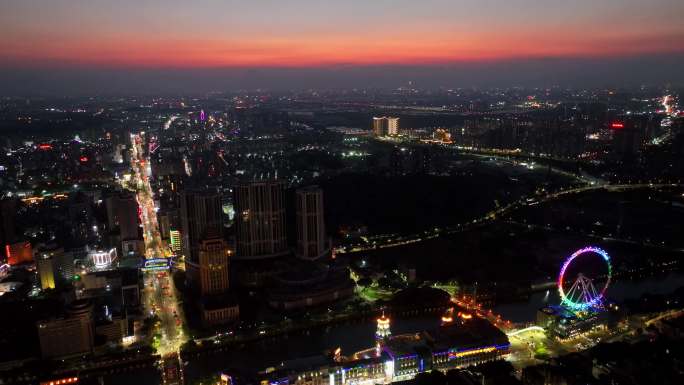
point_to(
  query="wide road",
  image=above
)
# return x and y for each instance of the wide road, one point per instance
(160, 297)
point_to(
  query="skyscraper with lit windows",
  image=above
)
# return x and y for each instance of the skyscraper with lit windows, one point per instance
(214, 263)
(311, 239)
(260, 219)
(385, 126)
(201, 220)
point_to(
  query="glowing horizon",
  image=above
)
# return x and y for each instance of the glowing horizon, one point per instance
(299, 33)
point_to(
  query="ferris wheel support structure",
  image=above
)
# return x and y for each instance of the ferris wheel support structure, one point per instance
(583, 295)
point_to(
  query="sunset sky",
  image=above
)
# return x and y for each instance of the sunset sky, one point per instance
(214, 34)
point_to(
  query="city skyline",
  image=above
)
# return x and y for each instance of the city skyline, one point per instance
(210, 34)
(376, 236)
(317, 192)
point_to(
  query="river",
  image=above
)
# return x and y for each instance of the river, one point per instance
(619, 290)
(359, 335)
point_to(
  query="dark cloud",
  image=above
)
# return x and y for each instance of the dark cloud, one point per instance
(613, 72)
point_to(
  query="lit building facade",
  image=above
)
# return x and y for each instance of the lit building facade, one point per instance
(442, 135)
(201, 218)
(382, 333)
(18, 253)
(457, 345)
(8, 211)
(260, 220)
(392, 126)
(565, 324)
(52, 263)
(312, 242)
(379, 126)
(102, 259)
(385, 126)
(175, 240)
(214, 262)
(46, 272)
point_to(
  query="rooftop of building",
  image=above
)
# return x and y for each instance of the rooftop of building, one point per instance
(311, 188)
(306, 363)
(558, 311)
(406, 344)
(335, 280)
(129, 272)
(300, 272)
(262, 179)
(467, 333)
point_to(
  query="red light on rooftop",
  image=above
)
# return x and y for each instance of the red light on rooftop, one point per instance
(617, 125)
(45, 146)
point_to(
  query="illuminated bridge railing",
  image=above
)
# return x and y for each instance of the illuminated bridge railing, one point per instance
(525, 330)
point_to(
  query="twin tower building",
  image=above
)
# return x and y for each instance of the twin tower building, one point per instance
(260, 233)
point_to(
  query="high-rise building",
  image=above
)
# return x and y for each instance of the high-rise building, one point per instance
(122, 219)
(19, 252)
(64, 265)
(122, 213)
(53, 265)
(379, 126)
(201, 219)
(392, 126)
(175, 241)
(169, 220)
(70, 335)
(81, 219)
(214, 262)
(48, 258)
(260, 220)
(8, 210)
(46, 272)
(384, 126)
(628, 136)
(311, 239)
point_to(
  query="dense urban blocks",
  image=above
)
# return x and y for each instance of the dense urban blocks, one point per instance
(342, 236)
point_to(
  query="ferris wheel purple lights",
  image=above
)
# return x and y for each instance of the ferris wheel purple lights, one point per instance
(583, 295)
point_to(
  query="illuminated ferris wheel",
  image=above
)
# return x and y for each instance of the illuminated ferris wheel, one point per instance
(583, 295)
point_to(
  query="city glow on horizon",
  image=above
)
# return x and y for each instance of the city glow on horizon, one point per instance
(66, 33)
(141, 53)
